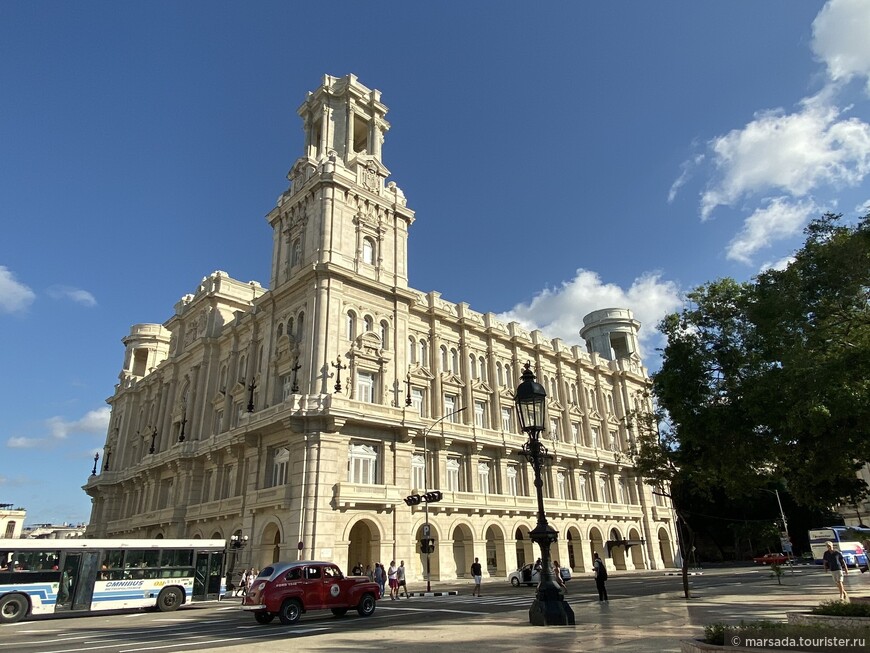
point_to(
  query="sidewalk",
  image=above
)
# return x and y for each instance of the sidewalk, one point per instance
(638, 625)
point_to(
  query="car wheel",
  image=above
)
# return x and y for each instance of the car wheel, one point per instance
(264, 617)
(515, 581)
(339, 612)
(169, 599)
(290, 612)
(12, 608)
(366, 607)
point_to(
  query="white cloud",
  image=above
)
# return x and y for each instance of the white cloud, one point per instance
(781, 218)
(792, 153)
(558, 312)
(77, 295)
(840, 39)
(95, 422)
(14, 296)
(686, 169)
(26, 443)
(781, 264)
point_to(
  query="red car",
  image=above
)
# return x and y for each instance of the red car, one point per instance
(771, 559)
(287, 589)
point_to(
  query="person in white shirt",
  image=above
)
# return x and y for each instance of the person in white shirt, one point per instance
(393, 578)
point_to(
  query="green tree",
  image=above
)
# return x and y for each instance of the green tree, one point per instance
(767, 381)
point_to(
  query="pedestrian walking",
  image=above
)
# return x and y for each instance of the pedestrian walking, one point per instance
(600, 570)
(400, 575)
(380, 577)
(557, 576)
(477, 575)
(369, 572)
(834, 563)
(393, 579)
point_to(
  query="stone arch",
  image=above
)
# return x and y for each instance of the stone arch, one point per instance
(524, 545)
(666, 548)
(463, 549)
(269, 544)
(575, 549)
(636, 550)
(617, 551)
(496, 563)
(596, 543)
(364, 543)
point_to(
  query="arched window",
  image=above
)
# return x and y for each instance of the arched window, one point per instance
(481, 366)
(368, 251)
(296, 253)
(370, 323)
(499, 372)
(454, 361)
(351, 325)
(444, 367)
(412, 350)
(472, 366)
(385, 334)
(280, 329)
(243, 368)
(424, 357)
(290, 325)
(300, 325)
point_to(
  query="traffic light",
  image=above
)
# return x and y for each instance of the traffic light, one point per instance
(427, 545)
(413, 499)
(432, 497)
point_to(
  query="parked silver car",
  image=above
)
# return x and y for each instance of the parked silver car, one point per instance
(529, 575)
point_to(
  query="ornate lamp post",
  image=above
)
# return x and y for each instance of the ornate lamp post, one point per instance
(549, 607)
(96, 460)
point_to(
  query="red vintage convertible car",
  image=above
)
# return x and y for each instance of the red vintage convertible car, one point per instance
(287, 589)
(771, 559)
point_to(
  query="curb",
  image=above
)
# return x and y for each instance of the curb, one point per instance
(445, 593)
(679, 573)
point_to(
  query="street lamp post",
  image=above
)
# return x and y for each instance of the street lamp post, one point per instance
(549, 607)
(96, 460)
(237, 541)
(426, 529)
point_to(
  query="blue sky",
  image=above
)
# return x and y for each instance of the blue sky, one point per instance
(561, 157)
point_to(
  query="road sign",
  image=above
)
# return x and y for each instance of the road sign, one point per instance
(426, 530)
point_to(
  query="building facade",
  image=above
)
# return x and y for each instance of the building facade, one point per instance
(11, 520)
(301, 416)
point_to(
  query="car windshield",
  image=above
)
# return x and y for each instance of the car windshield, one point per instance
(266, 572)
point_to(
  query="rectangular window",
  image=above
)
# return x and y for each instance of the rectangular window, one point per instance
(483, 477)
(226, 482)
(575, 433)
(512, 486)
(595, 437)
(286, 386)
(418, 472)
(362, 464)
(507, 419)
(417, 401)
(453, 467)
(554, 429)
(480, 414)
(279, 458)
(561, 485)
(207, 479)
(450, 405)
(365, 387)
(218, 420)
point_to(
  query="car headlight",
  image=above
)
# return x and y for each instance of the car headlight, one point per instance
(261, 587)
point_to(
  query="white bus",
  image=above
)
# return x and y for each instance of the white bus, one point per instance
(39, 577)
(848, 540)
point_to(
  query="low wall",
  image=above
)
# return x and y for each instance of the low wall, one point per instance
(809, 619)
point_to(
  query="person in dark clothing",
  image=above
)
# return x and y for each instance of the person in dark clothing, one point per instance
(834, 563)
(477, 574)
(600, 577)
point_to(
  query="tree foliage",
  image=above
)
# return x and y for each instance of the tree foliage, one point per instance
(769, 380)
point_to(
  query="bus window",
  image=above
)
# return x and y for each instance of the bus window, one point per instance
(177, 558)
(5, 557)
(141, 558)
(45, 560)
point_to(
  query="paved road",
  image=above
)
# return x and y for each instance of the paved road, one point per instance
(641, 605)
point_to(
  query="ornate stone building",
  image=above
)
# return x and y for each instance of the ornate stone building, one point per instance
(301, 416)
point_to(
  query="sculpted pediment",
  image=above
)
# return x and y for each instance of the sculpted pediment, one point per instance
(452, 379)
